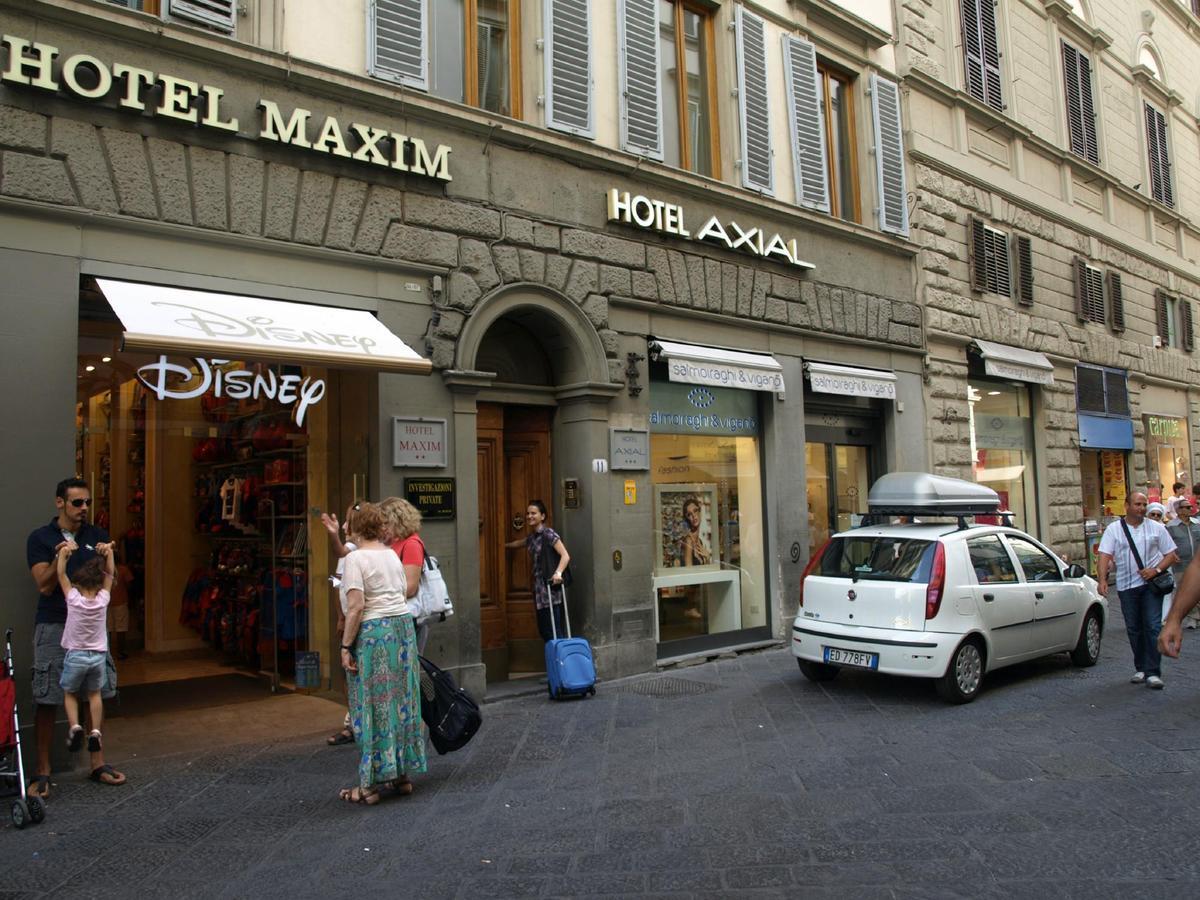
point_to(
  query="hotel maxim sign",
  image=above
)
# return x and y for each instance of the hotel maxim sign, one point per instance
(668, 218)
(142, 91)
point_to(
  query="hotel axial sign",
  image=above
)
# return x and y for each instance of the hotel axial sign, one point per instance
(668, 218)
(142, 91)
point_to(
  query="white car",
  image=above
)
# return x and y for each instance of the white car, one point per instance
(948, 600)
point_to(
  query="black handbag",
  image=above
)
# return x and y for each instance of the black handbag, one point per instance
(1162, 583)
(450, 712)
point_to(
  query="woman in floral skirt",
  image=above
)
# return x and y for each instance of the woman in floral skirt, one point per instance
(379, 655)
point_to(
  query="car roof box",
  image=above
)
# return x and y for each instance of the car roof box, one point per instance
(919, 493)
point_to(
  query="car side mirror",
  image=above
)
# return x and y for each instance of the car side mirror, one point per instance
(1076, 571)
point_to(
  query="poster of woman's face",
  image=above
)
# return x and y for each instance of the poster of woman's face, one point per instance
(687, 525)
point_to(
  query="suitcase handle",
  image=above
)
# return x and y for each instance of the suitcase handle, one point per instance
(566, 614)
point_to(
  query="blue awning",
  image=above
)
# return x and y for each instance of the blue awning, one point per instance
(1104, 433)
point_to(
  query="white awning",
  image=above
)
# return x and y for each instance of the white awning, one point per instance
(828, 378)
(201, 323)
(717, 367)
(1015, 363)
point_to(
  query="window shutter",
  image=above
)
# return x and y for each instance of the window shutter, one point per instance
(397, 41)
(1116, 393)
(641, 91)
(1159, 157)
(1091, 146)
(977, 246)
(1080, 288)
(1160, 315)
(1070, 57)
(1024, 271)
(1089, 389)
(1116, 300)
(1095, 295)
(216, 14)
(753, 101)
(807, 123)
(973, 48)
(996, 251)
(1188, 339)
(981, 51)
(889, 156)
(568, 45)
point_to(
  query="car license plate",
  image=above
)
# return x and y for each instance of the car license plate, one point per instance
(860, 658)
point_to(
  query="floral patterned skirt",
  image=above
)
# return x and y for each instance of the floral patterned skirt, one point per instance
(385, 701)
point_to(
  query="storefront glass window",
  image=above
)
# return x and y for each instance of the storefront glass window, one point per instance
(1166, 455)
(709, 564)
(1002, 446)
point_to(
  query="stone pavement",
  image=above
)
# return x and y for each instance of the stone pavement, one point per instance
(737, 778)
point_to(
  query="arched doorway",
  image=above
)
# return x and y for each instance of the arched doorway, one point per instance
(532, 354)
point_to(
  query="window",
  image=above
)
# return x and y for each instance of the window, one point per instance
(1081, 111)
(1101, 391)
(1089, 292)
(991, 561)
(837, 105)
(685, 46)
(1002, 452)
(1173, 317)
(215, 14)
(149, 6)
(1159, 155)
(879, 559)
(462, 50)
(1036, 563)
(982, 52)
(989, 259)
(567, 29)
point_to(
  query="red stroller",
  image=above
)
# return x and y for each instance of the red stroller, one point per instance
(25, 808)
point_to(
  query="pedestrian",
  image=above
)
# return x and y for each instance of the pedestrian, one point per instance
(548, 558)
(1185, 531)
(1140, 549)
(1187, 596)
(1177, 494)
(85, 638)
(72, 500)
(341, 549)
(403, 525)
(379, 654)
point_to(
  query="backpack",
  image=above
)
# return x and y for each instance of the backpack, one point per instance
(450, 712)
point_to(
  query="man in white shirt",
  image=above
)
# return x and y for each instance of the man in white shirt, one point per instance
(1140, 604)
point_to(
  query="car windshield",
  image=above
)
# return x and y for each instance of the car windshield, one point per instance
(878, 559)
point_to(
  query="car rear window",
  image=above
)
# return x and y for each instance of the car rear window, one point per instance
(878, 559)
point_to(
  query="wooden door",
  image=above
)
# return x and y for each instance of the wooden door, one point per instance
(514, 468)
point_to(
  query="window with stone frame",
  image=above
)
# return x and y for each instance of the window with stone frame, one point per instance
(1081, 108)
(1158, 154)
(1173, 320)
(991, 271)
(1089, 292)
(1102, 391)
(981, 52)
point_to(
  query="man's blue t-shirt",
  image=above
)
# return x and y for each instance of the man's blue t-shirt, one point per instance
(52, 607)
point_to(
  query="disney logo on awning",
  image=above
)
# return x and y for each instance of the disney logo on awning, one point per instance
(218, 325)
(237, 384)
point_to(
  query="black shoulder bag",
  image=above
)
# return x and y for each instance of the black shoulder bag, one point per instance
(1162, 583)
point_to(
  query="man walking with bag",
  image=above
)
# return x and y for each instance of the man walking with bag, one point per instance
(1143, 552)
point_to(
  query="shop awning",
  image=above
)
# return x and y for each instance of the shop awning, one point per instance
(200, 323)
(1015, 363)
(1105, 433)
(717, 367)
(827, 378)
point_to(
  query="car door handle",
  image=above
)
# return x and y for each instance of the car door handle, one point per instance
(988, 598)
(1038, 594)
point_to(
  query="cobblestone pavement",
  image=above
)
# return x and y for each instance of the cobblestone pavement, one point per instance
(737, 778)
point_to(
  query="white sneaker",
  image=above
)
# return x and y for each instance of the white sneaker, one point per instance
(1154, 682)
(1138, 678)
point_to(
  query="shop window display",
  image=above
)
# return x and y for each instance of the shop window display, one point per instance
(1002, 446)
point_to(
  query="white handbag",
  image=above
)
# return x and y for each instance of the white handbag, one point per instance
(432, 599)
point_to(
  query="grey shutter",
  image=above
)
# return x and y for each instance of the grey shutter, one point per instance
(753, 102)
(641, 88)
(397, 41)
(1024, 271)
(568, 43)
(889, 156)
(1080, 268)
(807, 123)
(977, 247)
(1188, 339)
(972, 48)
(216, 14)
(1081, 111)
(1160, 315)
(1116, 300)
(1159, 156)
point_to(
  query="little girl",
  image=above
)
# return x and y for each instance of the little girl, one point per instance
(85, 638)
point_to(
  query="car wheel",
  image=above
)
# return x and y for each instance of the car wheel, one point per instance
(964, 675)
(818, 671)
(1087, 651)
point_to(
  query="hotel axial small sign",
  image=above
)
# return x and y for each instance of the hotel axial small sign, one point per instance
(628, 448)
(419, 443)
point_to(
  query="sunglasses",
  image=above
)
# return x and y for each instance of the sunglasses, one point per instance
(80, 502)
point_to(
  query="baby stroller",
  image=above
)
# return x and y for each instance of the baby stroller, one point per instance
(25, 808)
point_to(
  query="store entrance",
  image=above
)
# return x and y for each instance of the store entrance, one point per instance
(513, 468)
(839, 468)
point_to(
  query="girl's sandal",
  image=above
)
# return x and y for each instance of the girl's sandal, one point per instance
(358, 795)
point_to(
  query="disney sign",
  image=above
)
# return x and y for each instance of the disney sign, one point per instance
(172, 381)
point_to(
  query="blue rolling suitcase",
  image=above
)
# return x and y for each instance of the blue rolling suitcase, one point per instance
(570, 671)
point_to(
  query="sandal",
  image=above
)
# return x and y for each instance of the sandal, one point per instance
(358, 795)
(39, 786)
(75, 739)
(94, 744)
(345, 736)
(401, 786)
(106, 774)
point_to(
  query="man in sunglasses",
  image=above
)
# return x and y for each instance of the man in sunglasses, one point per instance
(73, 500)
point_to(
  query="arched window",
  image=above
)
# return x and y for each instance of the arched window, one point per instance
(1146, 56)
